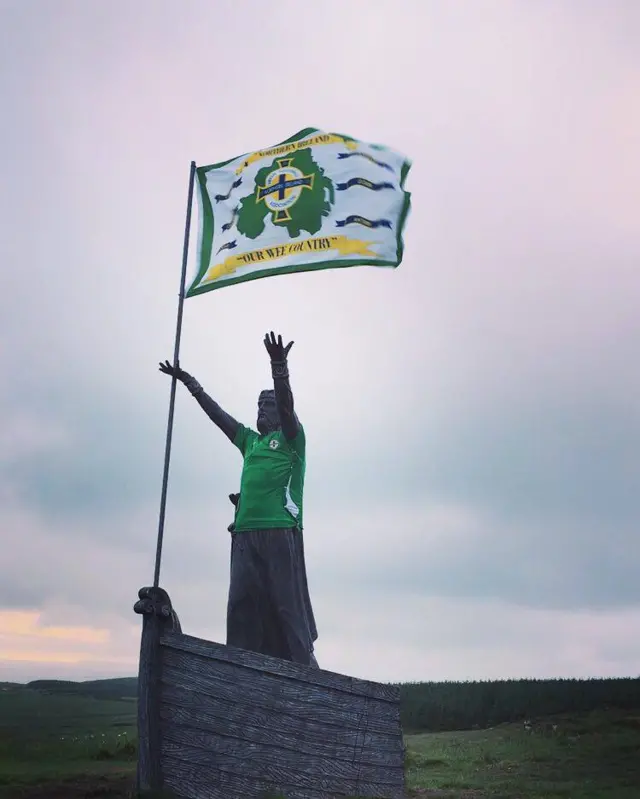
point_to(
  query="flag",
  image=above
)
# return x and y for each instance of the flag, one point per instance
(315, 201)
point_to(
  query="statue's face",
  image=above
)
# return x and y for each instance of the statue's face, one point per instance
(268, 419)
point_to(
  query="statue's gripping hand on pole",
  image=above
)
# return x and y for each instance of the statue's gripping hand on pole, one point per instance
(222, 419)
(278, 354)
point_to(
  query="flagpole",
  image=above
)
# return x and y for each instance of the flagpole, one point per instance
(172, 399)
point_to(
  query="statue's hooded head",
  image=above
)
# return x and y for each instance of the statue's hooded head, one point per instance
(268, 416)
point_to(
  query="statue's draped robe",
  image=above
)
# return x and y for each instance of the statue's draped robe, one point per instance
(269, 608)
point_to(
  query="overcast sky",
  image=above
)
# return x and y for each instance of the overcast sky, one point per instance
(473, 417)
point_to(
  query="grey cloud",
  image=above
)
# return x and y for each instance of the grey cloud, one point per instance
(102, 565)
(79, 450)
(539, 568)
(18, 593)
(491, 375)
(544, 460)
(456, 552)
(110, 464)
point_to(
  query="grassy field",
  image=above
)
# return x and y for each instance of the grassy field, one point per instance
(593, 756)
(65, 746)
(68, 746)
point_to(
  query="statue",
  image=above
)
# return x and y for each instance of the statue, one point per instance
(269, 609)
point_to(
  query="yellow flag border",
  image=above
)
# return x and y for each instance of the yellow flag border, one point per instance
(345, 246)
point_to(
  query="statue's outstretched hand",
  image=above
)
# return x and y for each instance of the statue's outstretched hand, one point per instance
(280, 373)
(172, 371)
(219, 417)
(277, 351)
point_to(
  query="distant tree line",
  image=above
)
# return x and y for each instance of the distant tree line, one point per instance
(439, 706)
(116, 688)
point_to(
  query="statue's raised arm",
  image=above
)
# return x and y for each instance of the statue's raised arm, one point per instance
(284, 396)
(222, 419)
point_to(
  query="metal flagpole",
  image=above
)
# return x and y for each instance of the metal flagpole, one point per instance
(172, 400)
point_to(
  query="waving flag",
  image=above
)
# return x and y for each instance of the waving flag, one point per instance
(316, 201)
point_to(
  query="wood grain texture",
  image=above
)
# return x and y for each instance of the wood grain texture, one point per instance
(282, 668)
(234, 720)
(276, 696)
(229, 729)
(205, 782)
(314, 722)
(246, 758)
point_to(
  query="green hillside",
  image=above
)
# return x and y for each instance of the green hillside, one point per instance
(53, 716)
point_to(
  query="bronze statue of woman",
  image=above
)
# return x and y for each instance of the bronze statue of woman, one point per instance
(269, 609)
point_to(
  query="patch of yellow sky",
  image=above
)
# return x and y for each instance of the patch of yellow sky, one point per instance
(24, 638)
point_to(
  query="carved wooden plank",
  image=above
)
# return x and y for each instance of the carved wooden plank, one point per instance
(240, 676)
(198, 781)
(312, 703)
(207, 694)
(237, 756)
(158, 616)
(306, 737)
(270, 711)
(352, 730)
(282, 668)
(256, 687)
(189, 784)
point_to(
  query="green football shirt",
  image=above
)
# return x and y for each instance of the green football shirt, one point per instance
(272, 480)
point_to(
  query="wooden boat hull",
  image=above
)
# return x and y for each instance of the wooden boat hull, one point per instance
(216, 722)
